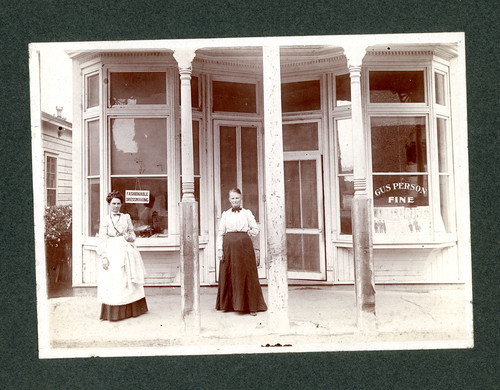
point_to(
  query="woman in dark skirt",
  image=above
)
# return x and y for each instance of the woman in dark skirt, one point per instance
(239, 287)
(120, 286)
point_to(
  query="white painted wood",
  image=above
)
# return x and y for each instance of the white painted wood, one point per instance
(275, 191)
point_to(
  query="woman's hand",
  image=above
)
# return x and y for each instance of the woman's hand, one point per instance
(220, 255)
(105, 263)
(128, 237)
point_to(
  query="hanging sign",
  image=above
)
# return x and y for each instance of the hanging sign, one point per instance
(136, 196)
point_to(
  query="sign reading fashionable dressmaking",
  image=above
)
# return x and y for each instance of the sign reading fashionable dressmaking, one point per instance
(136, 196)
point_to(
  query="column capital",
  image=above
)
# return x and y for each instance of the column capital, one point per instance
(354, 55)
(184, 58)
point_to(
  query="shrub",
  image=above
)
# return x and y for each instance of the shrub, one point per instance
(58, 224)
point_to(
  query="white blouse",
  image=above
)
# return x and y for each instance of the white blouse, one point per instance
(234, 221)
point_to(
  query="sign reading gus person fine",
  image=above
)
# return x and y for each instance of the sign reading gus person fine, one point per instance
(135, 196)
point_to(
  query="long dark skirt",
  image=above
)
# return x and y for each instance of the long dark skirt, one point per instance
(239, 287)
(121, 312)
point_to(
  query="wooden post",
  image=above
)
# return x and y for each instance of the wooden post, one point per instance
(362, 206)
(275, 192)
(190, 269)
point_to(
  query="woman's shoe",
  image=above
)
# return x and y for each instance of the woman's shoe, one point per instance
(252, 313)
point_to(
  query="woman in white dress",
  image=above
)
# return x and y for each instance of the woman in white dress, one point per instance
(239, 287)
(120, 286)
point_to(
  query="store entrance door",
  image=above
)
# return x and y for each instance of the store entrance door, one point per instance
(238, 163)
(304, 216)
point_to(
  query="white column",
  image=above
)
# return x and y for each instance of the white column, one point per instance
(362, 206)
(190, 269)
(275, 193)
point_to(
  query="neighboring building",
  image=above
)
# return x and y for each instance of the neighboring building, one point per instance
(409, 110)
(56, 144)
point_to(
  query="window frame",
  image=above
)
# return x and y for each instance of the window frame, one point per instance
(168, 176)
(48, 156)
(430, 111)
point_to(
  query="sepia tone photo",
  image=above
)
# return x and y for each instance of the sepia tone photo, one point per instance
(251, 195)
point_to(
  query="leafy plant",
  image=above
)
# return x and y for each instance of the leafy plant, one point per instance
(58, 225)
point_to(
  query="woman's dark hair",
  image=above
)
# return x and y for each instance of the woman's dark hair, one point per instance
(114, 194)
(236, 190)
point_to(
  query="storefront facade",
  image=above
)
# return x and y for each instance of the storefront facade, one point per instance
(127, 137)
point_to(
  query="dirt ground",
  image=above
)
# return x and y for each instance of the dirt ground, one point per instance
(320, 317)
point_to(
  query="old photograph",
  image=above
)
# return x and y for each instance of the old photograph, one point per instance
(251, 195)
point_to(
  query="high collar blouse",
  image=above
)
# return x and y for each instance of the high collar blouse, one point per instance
(236, 221)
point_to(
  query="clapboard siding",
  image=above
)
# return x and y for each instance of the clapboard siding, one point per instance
(404, 265)
(162, 267)
(59, 146)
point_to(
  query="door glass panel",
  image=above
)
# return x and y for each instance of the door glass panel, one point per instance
(294, 252)
(300, 136)
(342, 90)
(138, 146)
(292, 191)
(311, 252)
(234, 97)
(301, 96)
(249, 171)
(399, 144)
(228, 166)
(309, 192)
(303, 252)
(397, 87)
(130, 88)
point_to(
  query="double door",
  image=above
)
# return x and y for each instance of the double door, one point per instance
(239, 153)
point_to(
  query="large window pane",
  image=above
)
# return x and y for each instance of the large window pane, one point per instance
(397, 87)
(129, 88)
(249, 170)
(93, 91)
(344, 146)
(149, 219)
(228, 165)
(138, 146)
(399, 144)
(94, 206)
(342, 90)
(234, 97)
(301, 96)
(93, 148)
(300, 136)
